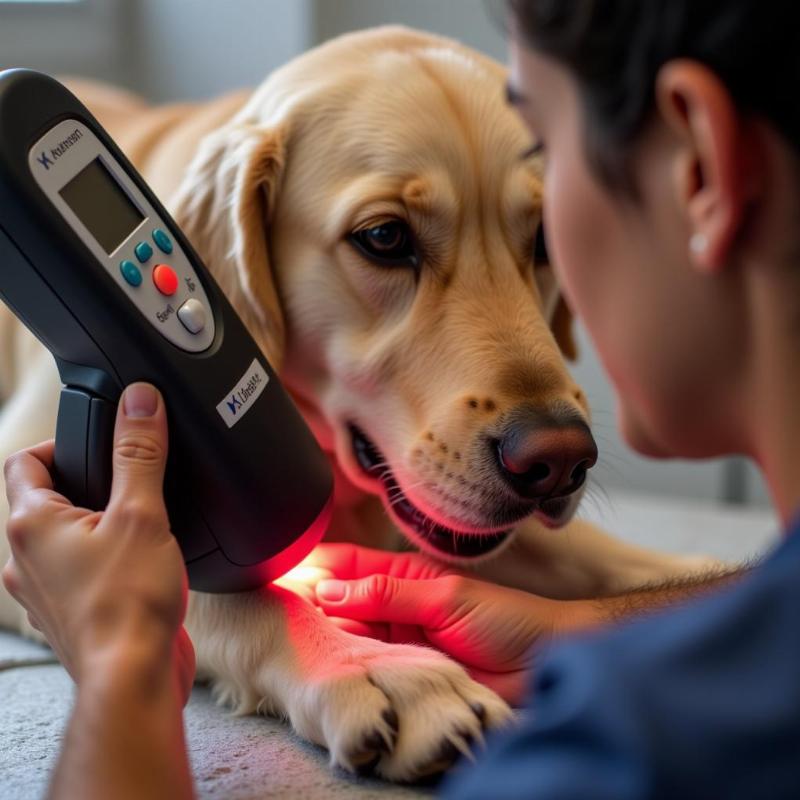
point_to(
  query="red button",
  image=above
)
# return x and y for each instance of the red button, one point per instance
(165, 279)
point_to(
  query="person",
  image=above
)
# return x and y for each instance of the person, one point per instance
(669, 136)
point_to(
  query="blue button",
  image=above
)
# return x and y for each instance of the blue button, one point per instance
(130, 272)
(162, 240)
(143, 251)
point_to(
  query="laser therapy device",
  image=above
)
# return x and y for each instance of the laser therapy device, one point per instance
(96, 268)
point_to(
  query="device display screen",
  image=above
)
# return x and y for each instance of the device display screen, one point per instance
(102, 205)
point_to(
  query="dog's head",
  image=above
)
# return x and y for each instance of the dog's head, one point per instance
(371, 217)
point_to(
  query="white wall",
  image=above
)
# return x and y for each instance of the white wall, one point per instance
(474, 22)
(197, 48)
(87, 38)
(165, 49)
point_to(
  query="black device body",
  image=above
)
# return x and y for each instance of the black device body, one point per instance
(246, 501)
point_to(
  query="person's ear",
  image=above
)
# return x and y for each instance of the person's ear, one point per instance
(715, 172)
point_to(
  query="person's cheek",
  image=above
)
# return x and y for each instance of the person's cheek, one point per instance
(569, 241)
(584, 238)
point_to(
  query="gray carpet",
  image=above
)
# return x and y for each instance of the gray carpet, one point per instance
(232, 758)
(255, 757)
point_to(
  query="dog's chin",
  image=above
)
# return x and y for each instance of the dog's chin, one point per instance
(441, 539)
(558, 511)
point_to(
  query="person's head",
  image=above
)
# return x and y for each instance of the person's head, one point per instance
(670, 133)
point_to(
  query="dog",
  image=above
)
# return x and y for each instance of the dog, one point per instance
(371, 214)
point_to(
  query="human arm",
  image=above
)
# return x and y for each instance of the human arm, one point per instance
(583, 560)
(489, 629)
(108, 591)
(125, 737)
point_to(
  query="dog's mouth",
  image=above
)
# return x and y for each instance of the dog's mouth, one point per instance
(448, 540)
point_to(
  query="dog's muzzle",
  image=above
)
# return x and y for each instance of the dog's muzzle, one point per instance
(447, 540)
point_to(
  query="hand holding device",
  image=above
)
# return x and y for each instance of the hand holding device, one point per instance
(101, 585)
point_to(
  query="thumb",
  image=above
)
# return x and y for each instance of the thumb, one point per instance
(384, 598)
(140, 446)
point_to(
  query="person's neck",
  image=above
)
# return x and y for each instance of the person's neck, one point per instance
(774, 384)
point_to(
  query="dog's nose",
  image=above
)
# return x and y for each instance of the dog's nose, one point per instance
(545, 460)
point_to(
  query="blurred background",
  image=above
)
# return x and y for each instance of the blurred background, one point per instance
(187, 49)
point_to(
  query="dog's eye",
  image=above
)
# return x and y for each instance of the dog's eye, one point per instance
(541, 258)
(388, 244)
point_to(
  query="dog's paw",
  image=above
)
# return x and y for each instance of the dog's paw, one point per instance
(402, 711)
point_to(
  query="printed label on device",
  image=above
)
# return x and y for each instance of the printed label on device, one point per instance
(239, 400)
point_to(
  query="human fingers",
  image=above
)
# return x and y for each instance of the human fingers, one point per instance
(394, 633)
(37, 512)
(11, 579)
(370, 630)
(349, 561)
(186, 663)
(302, 579)
(511, 686)
(385, 598)
(140, 449)
(28, 470)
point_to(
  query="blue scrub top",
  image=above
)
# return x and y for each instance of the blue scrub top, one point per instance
(701, 701)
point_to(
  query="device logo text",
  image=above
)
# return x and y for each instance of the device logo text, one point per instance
(61, 147)
(241, 397)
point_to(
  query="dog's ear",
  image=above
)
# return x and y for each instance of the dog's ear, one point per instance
(562, 326)
(224, 206)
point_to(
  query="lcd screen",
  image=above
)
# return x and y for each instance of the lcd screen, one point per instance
(101, 205)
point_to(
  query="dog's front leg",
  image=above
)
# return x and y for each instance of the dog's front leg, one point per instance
(582, 561)
(405, 710)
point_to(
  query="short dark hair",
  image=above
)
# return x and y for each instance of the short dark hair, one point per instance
(615, 48)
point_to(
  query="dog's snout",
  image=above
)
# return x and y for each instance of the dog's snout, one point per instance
(543, 461)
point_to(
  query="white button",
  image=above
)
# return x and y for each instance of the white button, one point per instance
(193, 315)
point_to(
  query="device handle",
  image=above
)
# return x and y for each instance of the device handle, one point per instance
(84, 442)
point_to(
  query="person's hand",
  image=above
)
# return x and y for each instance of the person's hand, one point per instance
(409, 598)
(106, 588)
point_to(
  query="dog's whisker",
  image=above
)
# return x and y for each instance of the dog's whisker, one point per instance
(401, 491)
(614, 466)
(596, 496)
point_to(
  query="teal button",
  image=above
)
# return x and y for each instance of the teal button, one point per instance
(162, 240)
(143, 251)
(130, 272)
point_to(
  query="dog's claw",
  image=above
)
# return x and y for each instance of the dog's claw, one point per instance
(373, 747)
(377, 741)
(448, 753)
(391, 719)
(479, 710)
(467, 737)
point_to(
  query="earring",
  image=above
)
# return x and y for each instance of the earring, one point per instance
(698, 243)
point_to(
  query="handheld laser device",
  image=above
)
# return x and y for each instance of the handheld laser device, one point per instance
(96, 268)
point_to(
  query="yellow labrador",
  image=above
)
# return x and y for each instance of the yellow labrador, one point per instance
(370, 215)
